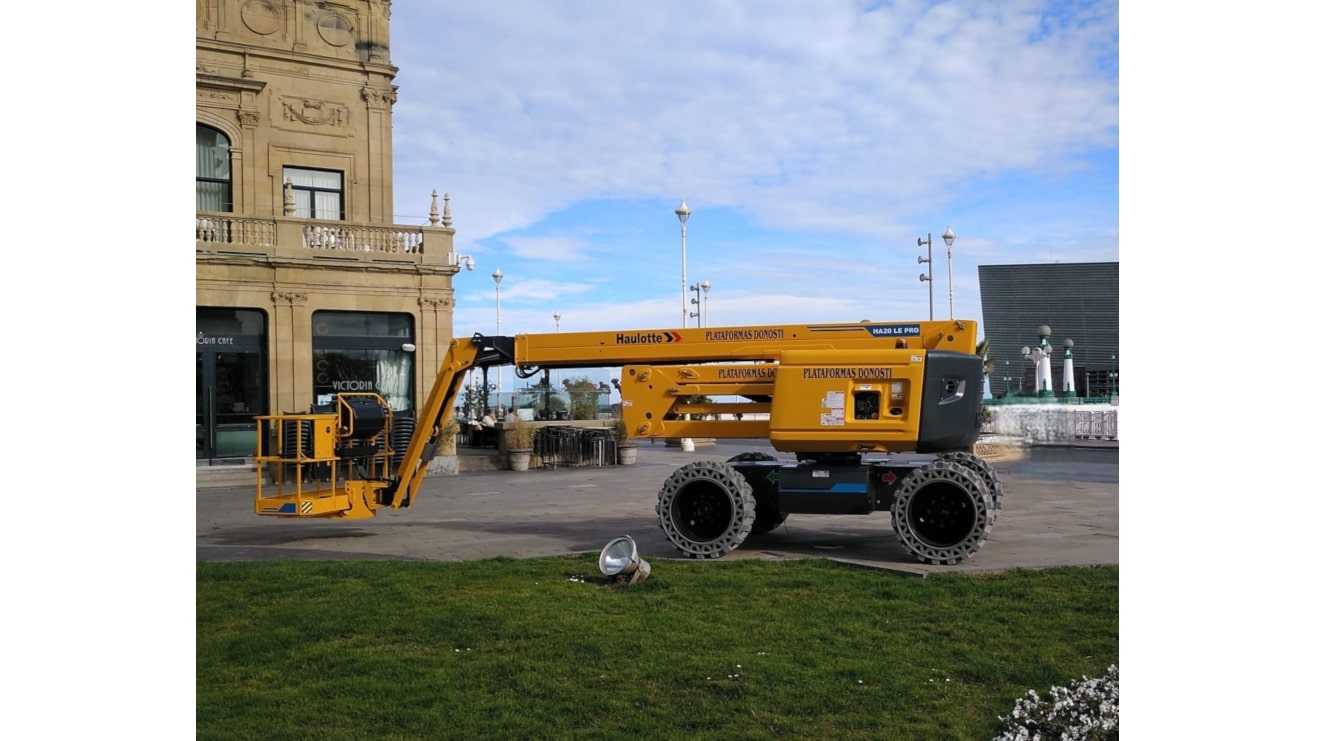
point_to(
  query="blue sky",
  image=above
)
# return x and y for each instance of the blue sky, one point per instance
(814, 143)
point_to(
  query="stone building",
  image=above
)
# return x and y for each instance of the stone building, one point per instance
(305, 286)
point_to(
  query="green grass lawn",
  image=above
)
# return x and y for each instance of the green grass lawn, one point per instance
(547, 649)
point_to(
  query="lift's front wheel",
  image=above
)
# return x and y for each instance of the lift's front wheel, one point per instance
(981, 467)
(943, 512)
(706, 509)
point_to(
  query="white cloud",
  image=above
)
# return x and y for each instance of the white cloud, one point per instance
(806, 115)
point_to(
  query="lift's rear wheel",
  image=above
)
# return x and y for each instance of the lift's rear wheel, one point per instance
(767, 516)
(943, 512)
(706, 509)
(983, 469)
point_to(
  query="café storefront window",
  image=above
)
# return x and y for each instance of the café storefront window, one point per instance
(362, 352)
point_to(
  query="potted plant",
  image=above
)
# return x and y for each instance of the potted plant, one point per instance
(519, 438)
(626, 447)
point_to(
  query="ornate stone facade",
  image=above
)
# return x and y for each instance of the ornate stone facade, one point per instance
(309, 86)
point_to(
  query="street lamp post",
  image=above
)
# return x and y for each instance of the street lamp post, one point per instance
(1041, 358)
(497, 275)
(683, 213)
(701, 304)
(469, 262)
(557, 319)
(949, 236)
(1115, 376)
(927, 278)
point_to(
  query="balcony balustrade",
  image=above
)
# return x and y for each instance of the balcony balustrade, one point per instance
(228, 234)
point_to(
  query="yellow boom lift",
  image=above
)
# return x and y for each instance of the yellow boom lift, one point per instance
(842, 397)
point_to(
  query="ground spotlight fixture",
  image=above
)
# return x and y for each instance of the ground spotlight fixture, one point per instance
(619, 560)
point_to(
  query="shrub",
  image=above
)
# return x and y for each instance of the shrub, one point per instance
(518, 434)
(620, 430)
(1086, 710)
(448, 432)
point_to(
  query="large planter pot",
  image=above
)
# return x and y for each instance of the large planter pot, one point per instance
(519, 460)
(626, 454)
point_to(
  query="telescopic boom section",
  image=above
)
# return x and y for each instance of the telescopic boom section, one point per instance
(838, 388)
(734, 344)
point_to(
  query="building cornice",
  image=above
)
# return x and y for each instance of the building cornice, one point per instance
(288, 56)
(224, 82)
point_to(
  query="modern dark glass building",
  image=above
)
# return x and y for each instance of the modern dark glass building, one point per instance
(1078, 301)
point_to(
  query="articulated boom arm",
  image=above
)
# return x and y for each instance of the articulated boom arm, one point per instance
(808, 388)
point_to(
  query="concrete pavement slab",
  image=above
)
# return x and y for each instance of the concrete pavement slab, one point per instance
(1060, 508)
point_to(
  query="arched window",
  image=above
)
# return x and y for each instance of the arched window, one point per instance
(214, 183)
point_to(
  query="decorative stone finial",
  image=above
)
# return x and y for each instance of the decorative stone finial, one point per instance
(448, 212)
(434, 208)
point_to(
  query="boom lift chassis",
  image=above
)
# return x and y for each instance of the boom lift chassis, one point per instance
(850, 401)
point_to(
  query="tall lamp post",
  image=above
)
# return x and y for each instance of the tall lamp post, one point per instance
(683, 213)
(497, 275)
(949, 236)
(927, 278)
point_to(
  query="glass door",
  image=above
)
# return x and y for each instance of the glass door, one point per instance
(230, 395)
(205, 427)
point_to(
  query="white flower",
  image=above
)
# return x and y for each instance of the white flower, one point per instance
(1073, 712)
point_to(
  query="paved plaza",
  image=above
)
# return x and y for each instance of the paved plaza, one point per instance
(1061, 508)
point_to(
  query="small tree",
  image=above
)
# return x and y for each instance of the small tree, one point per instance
(474, 398)
(989, 364)
(550, 402)
(584, 394)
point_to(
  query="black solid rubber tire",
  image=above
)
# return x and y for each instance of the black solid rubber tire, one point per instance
(942, 513)
(706, 509)
(984, 470)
